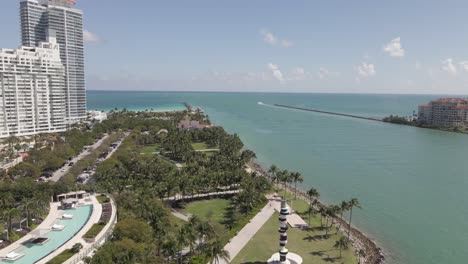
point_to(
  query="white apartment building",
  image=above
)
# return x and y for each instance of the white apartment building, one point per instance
(38, 16)
(32, 90)
(445, 112)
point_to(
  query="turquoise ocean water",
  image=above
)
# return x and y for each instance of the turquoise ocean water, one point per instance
(412, 182)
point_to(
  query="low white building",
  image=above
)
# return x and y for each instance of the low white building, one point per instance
(97, 116)
(32, 90)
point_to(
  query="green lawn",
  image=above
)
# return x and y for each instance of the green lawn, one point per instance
(149, 149)
(213, 209)
(176, 222)
(102, 198)
(199, 145)
(62, 257)
(309, 244)
(94, 230)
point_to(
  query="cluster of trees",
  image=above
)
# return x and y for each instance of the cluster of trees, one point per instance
(329, 213)
(398, 120)
(24, 200)
(50, 152)
(139, 183)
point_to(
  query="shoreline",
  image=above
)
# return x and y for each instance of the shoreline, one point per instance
(373, 253)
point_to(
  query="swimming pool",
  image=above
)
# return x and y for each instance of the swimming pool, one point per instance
(33, 253)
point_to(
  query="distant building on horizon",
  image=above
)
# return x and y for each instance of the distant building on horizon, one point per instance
(445, 112)
(191, 125)
(37, 16)
(32, 94)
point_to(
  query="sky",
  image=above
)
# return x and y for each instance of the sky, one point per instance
(332, 46)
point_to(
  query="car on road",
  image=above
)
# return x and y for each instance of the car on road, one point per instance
(71, 163)
(41, 179)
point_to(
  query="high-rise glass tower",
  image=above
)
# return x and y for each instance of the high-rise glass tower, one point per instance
(37, 17)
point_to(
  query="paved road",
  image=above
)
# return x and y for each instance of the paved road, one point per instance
(202, 195)
(59, 173)
(180, 216)
(245, 235)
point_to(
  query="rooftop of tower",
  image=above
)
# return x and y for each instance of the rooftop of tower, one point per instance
(62, 3)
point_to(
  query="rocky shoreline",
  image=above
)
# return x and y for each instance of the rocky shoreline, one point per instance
(372, 253)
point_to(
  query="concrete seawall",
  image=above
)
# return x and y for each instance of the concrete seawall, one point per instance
(329, 113)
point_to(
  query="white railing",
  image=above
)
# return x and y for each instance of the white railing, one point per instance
(101, 238)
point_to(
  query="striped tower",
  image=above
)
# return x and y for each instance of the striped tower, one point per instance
(283, 256)
(283, 240)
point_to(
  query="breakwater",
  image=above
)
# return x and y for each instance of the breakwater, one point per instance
(327, 112)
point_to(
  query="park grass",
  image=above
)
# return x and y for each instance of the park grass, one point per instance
(62, 257)
(199, 145)
(176, 222)
(309, 244)
(102, 198)
(94, 230)
(213, 209)
(149, 149)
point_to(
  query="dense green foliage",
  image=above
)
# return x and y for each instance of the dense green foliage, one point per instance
(94, 230)
(398, 120)
(140, 182)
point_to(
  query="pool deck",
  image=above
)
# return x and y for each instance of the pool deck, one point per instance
(78, 238)
(53, 215)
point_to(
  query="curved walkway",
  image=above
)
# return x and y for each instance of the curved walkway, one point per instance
(78, 238)
(45, 227)
(101, 238)
(238, 242)
(179, 197)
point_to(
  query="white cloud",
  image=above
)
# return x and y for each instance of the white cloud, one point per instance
(276, 72)
(286, 43)
(366, 70)
(268, 37)
(90, 37)
(417, 66)
(464, 65)
(271, 39)
(298, 73)
(447, 65)
(394, 48)
(323, 73)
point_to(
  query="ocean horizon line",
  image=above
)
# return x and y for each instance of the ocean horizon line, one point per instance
(276, 92)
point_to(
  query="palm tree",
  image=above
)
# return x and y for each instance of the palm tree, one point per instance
(169, 248)
(182, 240)
(344, 206)
(352, 203)
(274, 173)
(191, 232)
(296, 177)
(285, 176)
(341, 243)
(331, 212)
(27, 204)
(322, 213)
(217, 252)
(313, 194)
(11, 214)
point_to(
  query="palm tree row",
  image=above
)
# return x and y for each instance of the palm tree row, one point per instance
(285, 177)
(201, 240)
(329, 213)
